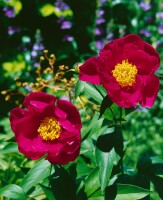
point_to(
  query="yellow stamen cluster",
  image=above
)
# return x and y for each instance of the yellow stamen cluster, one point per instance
(49, 129)
(125, 73)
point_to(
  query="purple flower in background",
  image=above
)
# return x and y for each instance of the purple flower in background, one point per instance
(159, 15)
(100, 12)
(9, 12)
(100, 21)
(99, 44)
(110, 37)
(160, 29)
(145, 32)
(145, 6)
(66, 25)
(159, 43)
(12, 30)
(141, 109)
(68, 38)
(61, 5)
(98, 31)
(38, 47)
(28, 88)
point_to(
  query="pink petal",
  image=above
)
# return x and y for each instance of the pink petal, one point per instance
(88, 71)
(150, 91)
(60, 113)
(26, 124)
(58, 155)
(38, 100)
(73, 115)
(15, 115)
(32, 148)
(151, 51)
(145, 63)
(124, 97)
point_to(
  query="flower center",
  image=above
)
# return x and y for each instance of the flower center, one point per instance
(125, 73)
(49, 129)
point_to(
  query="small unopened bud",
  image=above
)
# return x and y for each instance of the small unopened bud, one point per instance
(45, 51)
(77, 70)
(42, 58)
(4, 92)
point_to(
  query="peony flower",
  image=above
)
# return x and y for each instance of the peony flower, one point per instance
(125, 67)
(48, 126)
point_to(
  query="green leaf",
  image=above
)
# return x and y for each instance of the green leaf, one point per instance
(92, 92)
(39, 172)
(114, 112)
(156, 160)
(97, 196)
(106, 161)
(79, 88)
(128, 192)
(92, 182)
(48, 192)
(63, 13)
(10, 148)
(13, 191)
(86, 130)
(82, 168)
(16, 4)
(47, 10)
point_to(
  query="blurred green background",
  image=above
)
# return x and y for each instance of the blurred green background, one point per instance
(74, 30)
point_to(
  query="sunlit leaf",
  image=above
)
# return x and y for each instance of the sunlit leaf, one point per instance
(13, 191)
(47, 10)
(92, 92)
(11, 147)
(92, 182)
(48, 192)
(128, 192)
(39, 172)
(79, 88)
(106, 161)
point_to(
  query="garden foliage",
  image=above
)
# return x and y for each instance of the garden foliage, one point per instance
(82, 120)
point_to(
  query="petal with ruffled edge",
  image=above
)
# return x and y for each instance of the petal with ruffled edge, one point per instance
(152, 51)
(23, 123)
(146, 64)
(16, 114)
(32, 148)
(88, 71)
(124, 97)
(58, 155)
(38, 100)
(72, 119)
(150, 91)
(118, 44)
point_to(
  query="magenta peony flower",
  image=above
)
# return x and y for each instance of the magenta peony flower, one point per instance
(48, 126)
(125, 67)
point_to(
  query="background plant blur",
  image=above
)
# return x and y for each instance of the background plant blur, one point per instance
(73, 30)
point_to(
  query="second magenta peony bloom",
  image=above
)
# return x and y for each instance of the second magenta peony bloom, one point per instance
(48, 126)
(125, 67)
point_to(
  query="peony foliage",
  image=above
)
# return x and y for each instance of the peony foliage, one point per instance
(83, 123)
